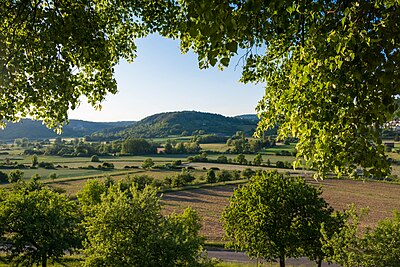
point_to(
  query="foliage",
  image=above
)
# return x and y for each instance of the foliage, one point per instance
(139, 181)
(275, 217)
(90, 195)
(128, 230)
(224, 176)
(211, 177)
(258, 160)
(182, 148)
(174, 123)
(71, 47)
(137, 146)
(381, 245)
(377, 247)
(53, 175)
(3, 177)
(330, 68)
(209, 138)
(147, 163)
(280, 164)
(94, 158)
(344, 246)
(247, 173)
(15, 176)
(37, 224)
(241, 159)
(35, 160)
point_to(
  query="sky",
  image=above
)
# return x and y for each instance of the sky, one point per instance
(162, 79)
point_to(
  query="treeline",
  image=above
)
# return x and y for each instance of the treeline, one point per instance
(238, 143)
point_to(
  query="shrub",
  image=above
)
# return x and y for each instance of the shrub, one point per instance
(211, 177)
(224, 176)
(247, 173)
(53, 175)
(15, 176)
(3, 177)
(280, 164)
(95, 158)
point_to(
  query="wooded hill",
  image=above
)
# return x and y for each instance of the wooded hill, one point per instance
(183, 123)
(76, 128)
(157, 125)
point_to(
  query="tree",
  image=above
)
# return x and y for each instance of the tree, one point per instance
(344, 246)
(15, 176)
(241, 159)
(331, 69)
(37, 224)
(127, 229)
(258, 160)
(35, 160)
(223, 176)
(147, 163)
(275, 217)
(94, 158)
(377, 247)
(211, 178)
(3, 177)
(381, 244)
(247, 173)
(137, 146)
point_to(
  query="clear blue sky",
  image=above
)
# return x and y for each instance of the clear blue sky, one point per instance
(162, 79)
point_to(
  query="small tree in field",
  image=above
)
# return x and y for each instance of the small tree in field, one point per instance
(95, 158)
(147, 163)
(275, 217)
(211, 177)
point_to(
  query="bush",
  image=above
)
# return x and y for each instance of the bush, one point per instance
(3, 177)
(280, 164)
(106, 165)
(53, 175)
(15, 176)
(247, 173)
(224, 176)
(211, 177)
(95, 158)
(46, 165)
(147, 163)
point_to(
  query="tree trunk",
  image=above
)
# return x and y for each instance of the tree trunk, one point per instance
(44, 260)
(281, 262)
(319, 262)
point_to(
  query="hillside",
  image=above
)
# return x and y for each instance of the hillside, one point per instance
(176, 123)
(76, 128)
(250, 117)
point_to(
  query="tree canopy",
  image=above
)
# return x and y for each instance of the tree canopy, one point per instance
(276, 217)
(330, 67)
(37, 224)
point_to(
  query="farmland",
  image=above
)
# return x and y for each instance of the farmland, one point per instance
(70, 173)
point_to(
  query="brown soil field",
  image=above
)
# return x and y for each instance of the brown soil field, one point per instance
(381, 198)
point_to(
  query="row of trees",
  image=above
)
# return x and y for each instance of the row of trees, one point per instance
(181, 148)
(274, 217)
(238, 143)
(110, 225)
